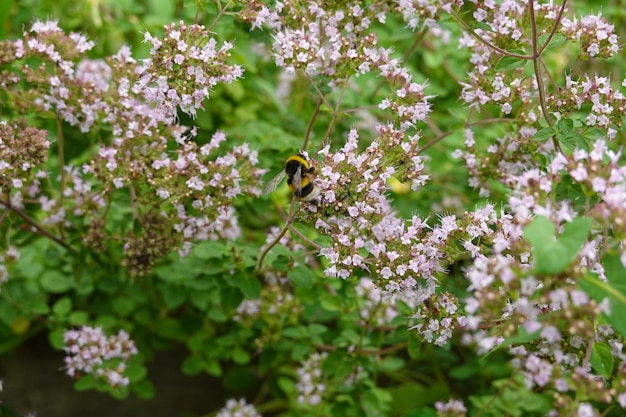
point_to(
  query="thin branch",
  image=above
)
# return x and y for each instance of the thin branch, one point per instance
(547, 73)
(283, 216)
(475, 35)
(335, 115)
(418, 38)
(309, 128)
(356, 109)
(490, 121)
(292, 214)
(61, 158)
(219, 15)
(383, 351)
(588, 353)
(133, 201)
(432, 126)
(319, 93)
(540, 86)
(3, 216)
(495, 397)
(61, 168)
(36, 225)
(442, 135)
(434, 141)
(554, 29)
(306, 239)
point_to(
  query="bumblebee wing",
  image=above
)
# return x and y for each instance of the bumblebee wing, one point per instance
(271, 186)
(296, 181)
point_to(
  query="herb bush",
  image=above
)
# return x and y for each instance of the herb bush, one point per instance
(465, 254)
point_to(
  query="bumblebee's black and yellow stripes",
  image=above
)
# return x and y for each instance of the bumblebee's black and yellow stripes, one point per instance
(299, 172)
(297, 161)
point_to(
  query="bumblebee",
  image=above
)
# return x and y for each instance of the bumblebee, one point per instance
(300, 173)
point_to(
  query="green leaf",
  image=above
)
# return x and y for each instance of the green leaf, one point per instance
(249, 285)
(55, 282)
(614, 289)
(297, 332)
(573, 141)
(6, 9)
(556, 40)
(77, 318)
(174, 296)
(408, 397)
(330, 302)
(123, 305)
(391, 363)
(218, 316)
(464, 372)
(84, 383)
(240, 356)
(521, 337)
(565, 126)
(209, 250)
(415, 347)
(161, 10)
(483, 26)
(169, 328)
(574, 235)
(192, 365)
(144, 389)
(539, 232)
(348, 337)
(544, 134)
(552, 256)
(40, 307)
(29, 266)
(287, 385)
(230, 298)
(376, 400)
(508, 63)
(301, 276)
(106, 321)
(613, 268)
(62, 307)
(118, 393)
(299, 351)
(56, 338)
(602, 359)
(136, 372)
(532, 402)
(200, 299)
(316, 329)
(197, 341)
(213, 367)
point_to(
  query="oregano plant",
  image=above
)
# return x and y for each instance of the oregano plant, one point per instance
(462, 253)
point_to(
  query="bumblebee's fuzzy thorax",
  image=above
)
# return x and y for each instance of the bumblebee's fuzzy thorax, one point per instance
(300, 173)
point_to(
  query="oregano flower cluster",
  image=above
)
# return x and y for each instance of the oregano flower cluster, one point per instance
(180, 191)
(90, 351)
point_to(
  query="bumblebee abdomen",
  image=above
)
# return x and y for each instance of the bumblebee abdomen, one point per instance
(305, 189)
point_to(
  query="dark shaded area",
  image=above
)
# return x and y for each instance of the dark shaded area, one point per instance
(34, 382)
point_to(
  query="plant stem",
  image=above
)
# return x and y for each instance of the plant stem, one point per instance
(309, 128)
(292, 213)
(476, 36)
(540, 85)
(36, 225)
